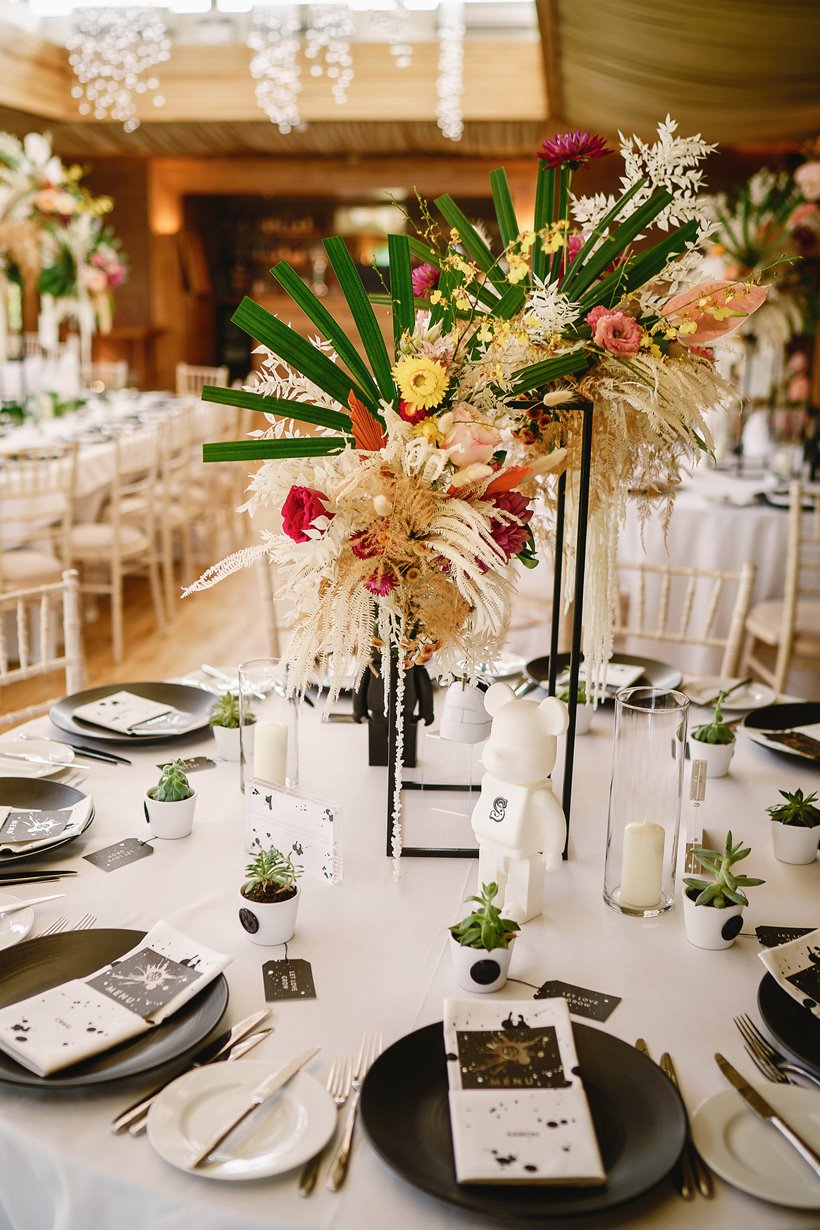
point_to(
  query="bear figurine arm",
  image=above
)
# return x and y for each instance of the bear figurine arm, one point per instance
(554, 827)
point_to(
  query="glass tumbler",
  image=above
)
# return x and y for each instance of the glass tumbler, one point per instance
(645, 800)
(268, 725)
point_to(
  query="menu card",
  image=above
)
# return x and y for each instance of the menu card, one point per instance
(28, 829)
(86, 1016)
(796, 968)
(307, 829)
(518, 1110)
(128, 714)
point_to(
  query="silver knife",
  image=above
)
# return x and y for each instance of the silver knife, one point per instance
(261, 1094)
(212, 1052)
(138, 1126)
(764, 1111)
(24, 905)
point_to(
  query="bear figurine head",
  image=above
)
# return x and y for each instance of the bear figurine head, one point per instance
(522, 743)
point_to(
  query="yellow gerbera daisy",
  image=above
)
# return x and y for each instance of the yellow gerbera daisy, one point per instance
(422, 382)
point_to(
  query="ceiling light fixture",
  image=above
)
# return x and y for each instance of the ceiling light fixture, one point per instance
(450, 83)
(113, 53)
(274, 41)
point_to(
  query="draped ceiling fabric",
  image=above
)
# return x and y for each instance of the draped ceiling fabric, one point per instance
(738, 71)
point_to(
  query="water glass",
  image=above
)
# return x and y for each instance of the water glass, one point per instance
(268, 724)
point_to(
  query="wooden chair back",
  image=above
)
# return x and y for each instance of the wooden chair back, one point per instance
(37, 487)
(191, 379)
(40, 634)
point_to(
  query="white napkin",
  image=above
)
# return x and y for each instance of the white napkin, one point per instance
(86, 1016)
(795, 968)
(128, 714)
(518, 1110)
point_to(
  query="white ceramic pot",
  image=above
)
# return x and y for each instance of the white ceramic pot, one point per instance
(792, 843)
(227, 742)
(269, 922)
(718, 756)
(479, 969)
(707, 927)
(583, 719)
(463, 716)
(170, 821)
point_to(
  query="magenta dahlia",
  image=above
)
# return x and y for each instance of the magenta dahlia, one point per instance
(573, 149)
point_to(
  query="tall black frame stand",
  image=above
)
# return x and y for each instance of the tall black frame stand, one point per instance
(586, 409)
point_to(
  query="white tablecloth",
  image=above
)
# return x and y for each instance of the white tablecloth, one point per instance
(380, 961)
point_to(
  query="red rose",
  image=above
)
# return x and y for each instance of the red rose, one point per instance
(300, 510)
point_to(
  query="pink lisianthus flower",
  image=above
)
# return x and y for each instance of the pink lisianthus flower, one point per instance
(466, 440)
(575, 242)
(712, 309)
(616, 332)
(95, 280)
(302, 507)
(424, 278)
(381, 583)
(807, 178)
(509, 535)
(799, 388)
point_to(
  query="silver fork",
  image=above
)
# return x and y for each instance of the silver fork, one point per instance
(774, 1066)
(370, 1048)
(87, 921)
(54, 928)
(338, 1086)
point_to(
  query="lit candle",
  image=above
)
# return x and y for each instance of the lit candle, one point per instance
(642, 866)
(270, 752)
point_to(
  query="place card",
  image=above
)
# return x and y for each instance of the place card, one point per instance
(33, 825)
(288, 979)
(772, 936)
(582, 1001)
(305, 828)
(795, 968)
(518, 1109)
(111, 858)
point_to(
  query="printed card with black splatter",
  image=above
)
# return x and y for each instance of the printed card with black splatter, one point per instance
(518, 1109)
(796, 968)
(307, 829)
(71, 1022)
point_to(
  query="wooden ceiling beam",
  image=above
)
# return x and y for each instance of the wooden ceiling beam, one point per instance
(548, 23)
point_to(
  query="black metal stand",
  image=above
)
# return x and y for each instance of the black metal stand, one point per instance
(586, 409)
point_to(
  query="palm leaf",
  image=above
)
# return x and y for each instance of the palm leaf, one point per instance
(544, 207)
(364, 316)
(401, 287)
(591, 240)
(539, 374)
(617, 243)
(302, 412)
(504, 208)
(473, 244)
(259, 450)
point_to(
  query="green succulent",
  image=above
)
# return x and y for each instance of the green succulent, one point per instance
(580, 695)
(271, 874)
(225, 712)
(725, 889)
(485, 928)
(715, 731)
(796, 810)
(173, 785)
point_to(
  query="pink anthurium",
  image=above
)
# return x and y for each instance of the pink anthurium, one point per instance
(713, 309)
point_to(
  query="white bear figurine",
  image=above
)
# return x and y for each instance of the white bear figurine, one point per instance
(519, 824)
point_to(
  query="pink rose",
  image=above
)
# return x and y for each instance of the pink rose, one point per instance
(799, 388)
(300, 510)
(617, 333)
(807, 179)
(715, 308)
(469, 441)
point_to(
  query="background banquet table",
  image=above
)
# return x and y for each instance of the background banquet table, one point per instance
(380, 961)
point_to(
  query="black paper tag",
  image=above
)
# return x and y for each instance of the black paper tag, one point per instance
(582, 1001)
(111, 858)
(291, 979)
(192, 764)
(772, 937)
(33, 825)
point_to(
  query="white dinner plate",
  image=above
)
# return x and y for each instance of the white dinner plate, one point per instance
(283, 1133)
(751, 1155)
(60, 755)
(14, 927)
(753, 696)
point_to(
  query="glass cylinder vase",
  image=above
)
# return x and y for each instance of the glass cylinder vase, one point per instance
(645, 800)
(268, 725)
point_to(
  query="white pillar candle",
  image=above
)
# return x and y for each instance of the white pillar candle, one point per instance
(48, 330)
(642, 865)
(270, 752)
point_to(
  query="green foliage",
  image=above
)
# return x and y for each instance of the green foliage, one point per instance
(271, 871)
(485, 928)
(173, 785)
(725, 889)
(580, 695)
(798, 811)
(715, 731)
(225, 712)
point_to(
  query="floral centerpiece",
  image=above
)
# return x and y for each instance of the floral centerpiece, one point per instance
(411, 484)
(84, 266)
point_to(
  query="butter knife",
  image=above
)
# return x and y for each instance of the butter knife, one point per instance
(211, 1053)
(24, 905)
(766, 1112)
(261, 1094)
(684, 1174)
(700, 1171)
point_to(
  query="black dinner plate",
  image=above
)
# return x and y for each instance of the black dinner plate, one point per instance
(654, 674)
(38, 965)
(43, 795)
(783, 717)
(638, 1117)
(194, 701)
(790, 1024)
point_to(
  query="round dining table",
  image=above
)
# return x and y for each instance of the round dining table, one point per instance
(378, 948)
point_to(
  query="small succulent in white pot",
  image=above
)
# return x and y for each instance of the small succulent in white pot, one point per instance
(481, 945)
(583, 711)
(713, 742)
(269, 898)
(712, 908)
(169, 806)
(795, 827)
(224, 722)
